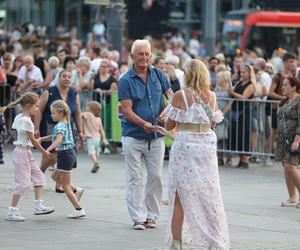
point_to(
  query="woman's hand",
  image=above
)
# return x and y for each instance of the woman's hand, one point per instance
(36, 133)
(295, 146)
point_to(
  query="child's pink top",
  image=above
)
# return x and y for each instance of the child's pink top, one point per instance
(91, 125)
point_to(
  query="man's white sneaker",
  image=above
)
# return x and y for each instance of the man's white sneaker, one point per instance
(76, 214)
(139, 226)
(79, 192)
(14, 215)
(40, 208)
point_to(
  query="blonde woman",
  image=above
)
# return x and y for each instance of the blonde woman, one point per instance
(194, 188)
(170, 72)
(222, 91)
(240, 133)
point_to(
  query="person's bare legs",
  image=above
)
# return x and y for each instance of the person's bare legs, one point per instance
(66, 183)
(56, 176)
(15, 200)
(38, 191)
(294, 176)
(254, 135)
(291, 188)
(94, 158)
(47, 162)
(177, 220)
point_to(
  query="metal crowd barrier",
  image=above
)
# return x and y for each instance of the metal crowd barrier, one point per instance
(248, 128)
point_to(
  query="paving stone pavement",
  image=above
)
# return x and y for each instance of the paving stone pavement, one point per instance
(251, 197)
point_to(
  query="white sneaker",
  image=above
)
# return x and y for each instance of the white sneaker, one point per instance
(14, 215)
(139, 226)
(106, 151)
(40, 209)
(76, 214)
(79, 192)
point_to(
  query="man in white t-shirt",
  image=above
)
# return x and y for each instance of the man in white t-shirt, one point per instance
(30, 76)
(96, 60)
(266, 79)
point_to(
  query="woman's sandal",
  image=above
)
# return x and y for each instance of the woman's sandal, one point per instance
(290, 203)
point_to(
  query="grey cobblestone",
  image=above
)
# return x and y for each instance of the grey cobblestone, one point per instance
(251, 198)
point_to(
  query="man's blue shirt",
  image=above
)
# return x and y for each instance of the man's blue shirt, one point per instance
(147, 100)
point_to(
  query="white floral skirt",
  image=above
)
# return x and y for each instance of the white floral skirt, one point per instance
(193, 174)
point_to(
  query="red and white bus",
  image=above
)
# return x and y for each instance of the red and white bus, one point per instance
(269, 30)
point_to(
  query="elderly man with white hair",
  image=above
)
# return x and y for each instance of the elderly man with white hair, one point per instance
(30, 76)
(141, 92)
(175, 61)
(266, 80)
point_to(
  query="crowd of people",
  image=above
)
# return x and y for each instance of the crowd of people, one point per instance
(161, 87)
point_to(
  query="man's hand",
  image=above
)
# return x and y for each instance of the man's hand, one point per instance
(149, 128)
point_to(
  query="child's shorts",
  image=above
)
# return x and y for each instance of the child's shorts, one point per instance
(66, 160)
(93, 145)
(27, 171)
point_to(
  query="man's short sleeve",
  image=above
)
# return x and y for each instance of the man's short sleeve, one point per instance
(124, 89)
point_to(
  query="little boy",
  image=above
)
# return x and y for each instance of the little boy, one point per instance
(94, 132)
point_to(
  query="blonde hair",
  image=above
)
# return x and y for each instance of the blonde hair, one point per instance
(251, 72)
(62, 107)
(220, 68)
(170, 71)
(95, 107)
(53, 62)
(27, 98)
(223, 76)
(197, 76)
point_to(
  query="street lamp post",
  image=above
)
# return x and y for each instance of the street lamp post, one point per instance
(115, 24)
(210, 26)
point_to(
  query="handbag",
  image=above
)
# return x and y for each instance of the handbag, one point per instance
(221, 130)
(287, 141)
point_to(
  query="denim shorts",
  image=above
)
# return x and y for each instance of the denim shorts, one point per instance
(66, 160)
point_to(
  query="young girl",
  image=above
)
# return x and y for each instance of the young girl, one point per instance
(26, 169)
(63, 143)
(94, 132)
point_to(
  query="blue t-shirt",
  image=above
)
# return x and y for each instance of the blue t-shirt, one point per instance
(67, 141)
(147, 100)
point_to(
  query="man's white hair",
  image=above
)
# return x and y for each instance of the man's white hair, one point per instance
(174, 60)
(140, 43)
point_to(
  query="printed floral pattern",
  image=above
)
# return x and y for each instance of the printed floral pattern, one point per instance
(193, 173)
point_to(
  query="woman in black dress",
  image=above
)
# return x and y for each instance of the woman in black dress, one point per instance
(239, 129)
(104, 83)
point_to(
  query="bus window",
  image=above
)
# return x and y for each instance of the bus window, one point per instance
(271, 38)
